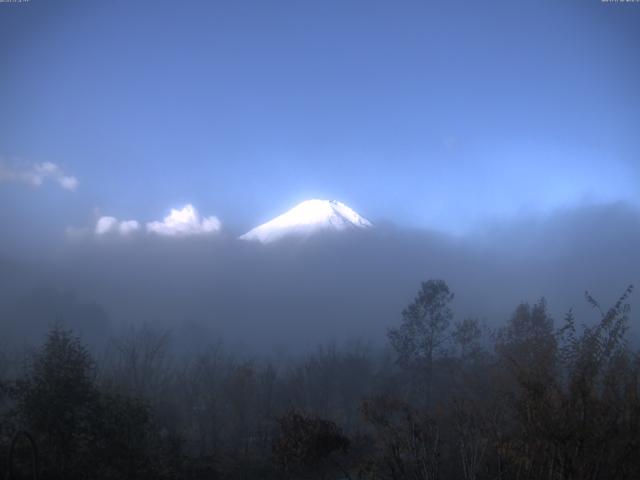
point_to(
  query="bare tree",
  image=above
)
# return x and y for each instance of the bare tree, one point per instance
(423, 330)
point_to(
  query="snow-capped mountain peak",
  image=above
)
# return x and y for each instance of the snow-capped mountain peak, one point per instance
(307, 218)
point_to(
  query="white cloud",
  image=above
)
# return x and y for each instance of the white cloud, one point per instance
(179, 223)
(37, 174)
(108, 225)
(127, 227)
(184, 222)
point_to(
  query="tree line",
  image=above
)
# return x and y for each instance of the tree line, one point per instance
(448, 399)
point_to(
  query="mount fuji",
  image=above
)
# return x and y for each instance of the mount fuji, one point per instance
(308, 218)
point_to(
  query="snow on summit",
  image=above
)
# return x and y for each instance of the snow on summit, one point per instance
(306, 218)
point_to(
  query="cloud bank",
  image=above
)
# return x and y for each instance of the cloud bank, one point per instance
(37, 174)
(184, 222)
(346, 284)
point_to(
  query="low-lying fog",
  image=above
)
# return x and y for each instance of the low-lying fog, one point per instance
(293, 294)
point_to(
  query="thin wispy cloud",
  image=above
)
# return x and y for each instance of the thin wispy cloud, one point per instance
(184, 222)
(37, 174)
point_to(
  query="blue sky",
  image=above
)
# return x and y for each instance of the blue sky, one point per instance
(431, 114)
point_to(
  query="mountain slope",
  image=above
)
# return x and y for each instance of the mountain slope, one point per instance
(307, 218)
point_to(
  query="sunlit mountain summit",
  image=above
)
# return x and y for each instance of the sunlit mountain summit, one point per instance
(308, 218)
